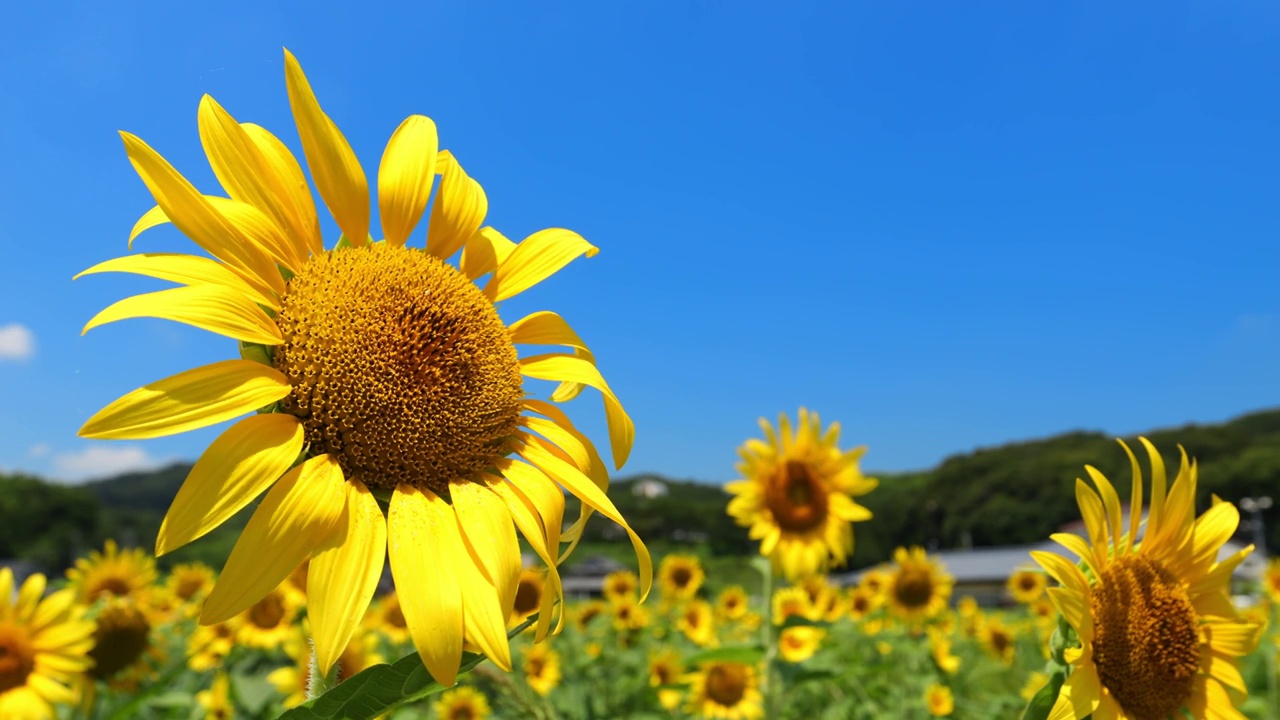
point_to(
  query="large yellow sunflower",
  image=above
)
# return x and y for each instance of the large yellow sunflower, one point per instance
(918, 587)
(112, 573)
(797, 495)
(376, 373)
(1153, 614)
(44, 647)
(724, 690)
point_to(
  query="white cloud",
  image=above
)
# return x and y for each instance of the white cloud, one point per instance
(99, 461)
(16, 342)
(39, 450)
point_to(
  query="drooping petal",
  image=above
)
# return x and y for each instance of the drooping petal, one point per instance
(195, 216)
(341, 580)
(192, 399)
(544, 328)
(458, 210)
(151, 218)
(542, 492)
(484, 252)
(299, 516)
(247, 174)
(487, 528)
(293, 192)
(529, 521)
(236, 468)
(574, 369)
(334, 166)
(1222, 668)
(405, 176)
(424, 545)
(535, 259)
(484, 623)
(215, 308)
(563, 439)
(1233, 639)
(175, 267)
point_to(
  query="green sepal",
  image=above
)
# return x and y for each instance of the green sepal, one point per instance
(1042, 703)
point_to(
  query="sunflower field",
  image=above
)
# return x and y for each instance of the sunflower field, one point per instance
(414, 495)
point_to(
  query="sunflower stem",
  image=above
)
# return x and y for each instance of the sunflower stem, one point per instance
(320, 683)
(768, 681)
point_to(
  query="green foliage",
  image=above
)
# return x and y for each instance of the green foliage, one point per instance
(45, 523)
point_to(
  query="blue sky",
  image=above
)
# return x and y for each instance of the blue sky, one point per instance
(944, 226)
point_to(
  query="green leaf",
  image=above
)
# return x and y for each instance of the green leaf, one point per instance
(1042, 703)
(380, 688)
(746, 654)
(797, 621)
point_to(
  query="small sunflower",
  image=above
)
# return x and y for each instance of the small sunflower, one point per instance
(385, 369)
(529, 595)
(268, 622)
(732, 603)
(121, 640)
(792, 602)
(697, 622)
(628, 614)
(998, 639)
(824, 597)
(874, 581)
(190, 582)
(112, 573)
(939, 700)
(44, 647)
(1158, 632)
(209, 645)
(797, 495)
(541, 668)
(1026, 585)
(216, 701)
(386, 617)
(619, 584)
(940, 650)
(862, 602)
(724, 690)
(797, 644)
(680, 577)
(462, 703)
(588, 611)
(666, 668)
(918, 587)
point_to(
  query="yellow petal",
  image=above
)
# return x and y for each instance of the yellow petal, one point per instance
(299, 516)
(192, 399)
(334, 167)
(215, 308)
(1135, 501)
(581, 486)
(484, 252)
(425, 546)
(1221, 668)
(544, 328)
(542, 492)
(1212, 530)
(404, 178)
(29, 596)
(488, 530)
(196, 217)
(247, 175)
(458, 210)
(236, 468)
(341, 580)
(484, 622)
(1233, 639)
(176, 267)
(563, 439)
(1110, 503)
(1158, 484)
(151, 218)
(1062, 570)
(1095, 520)
(575, 369)
(261, 230)
(1074, 608)
(53, 610)
(292, 190)
(535, 259)
(529, 521)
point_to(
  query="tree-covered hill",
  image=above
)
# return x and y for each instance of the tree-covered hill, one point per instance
(1015, 493)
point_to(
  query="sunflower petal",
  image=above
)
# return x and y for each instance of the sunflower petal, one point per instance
(191, 399)
(489, 532)
(341, 580)
(535, 259)
(458, 211)
(1095, 520)
(404, 178)
(215, 308)
(542, 492)
(334, 166)
(1110, 503)
(290, 186)
(484, 252)
(527, 519)
(237, 466)
(299, 516)
(544, 328)
(1155, 513)
(484, 623)
(195, 216)
(425, 546)
(151, 218)
(1221, 668)
(575, 369)
(175, 267)
(261, 230)
(1233, 639)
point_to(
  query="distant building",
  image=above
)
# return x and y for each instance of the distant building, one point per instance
(586, 578)
(649, 488)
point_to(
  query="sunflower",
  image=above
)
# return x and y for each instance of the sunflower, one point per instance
(462, 703)
(680, 577)
(874, 581)
(121, 639)
(797, 495)
(1026, 585)
(588, 611)
(112, 573)
(44, 647)
(1158, 633)
(528, 596)
(209, 645)
(939, 700)
(216, 701)
(619, 584)
(997, 638)
(940, 650)
(385, 369)
(665, 668)
(862, 602)
(541, 668)
(724, 690)
(797, 644)
(386, 617)
(824, 597)
(269, 621)
(732, 603)
(628, 614)
(697, 622)
(918, 587)
(190, 582)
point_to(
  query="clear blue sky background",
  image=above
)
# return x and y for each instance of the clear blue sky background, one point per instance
(945, 225)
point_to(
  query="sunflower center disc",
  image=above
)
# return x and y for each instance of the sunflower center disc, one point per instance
(796, 498)
(268, 612)
(17, 657)
(122, 635)
(913, 587)
(401, 368)
(726, 684)
(1146, 643)
(528, 597)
